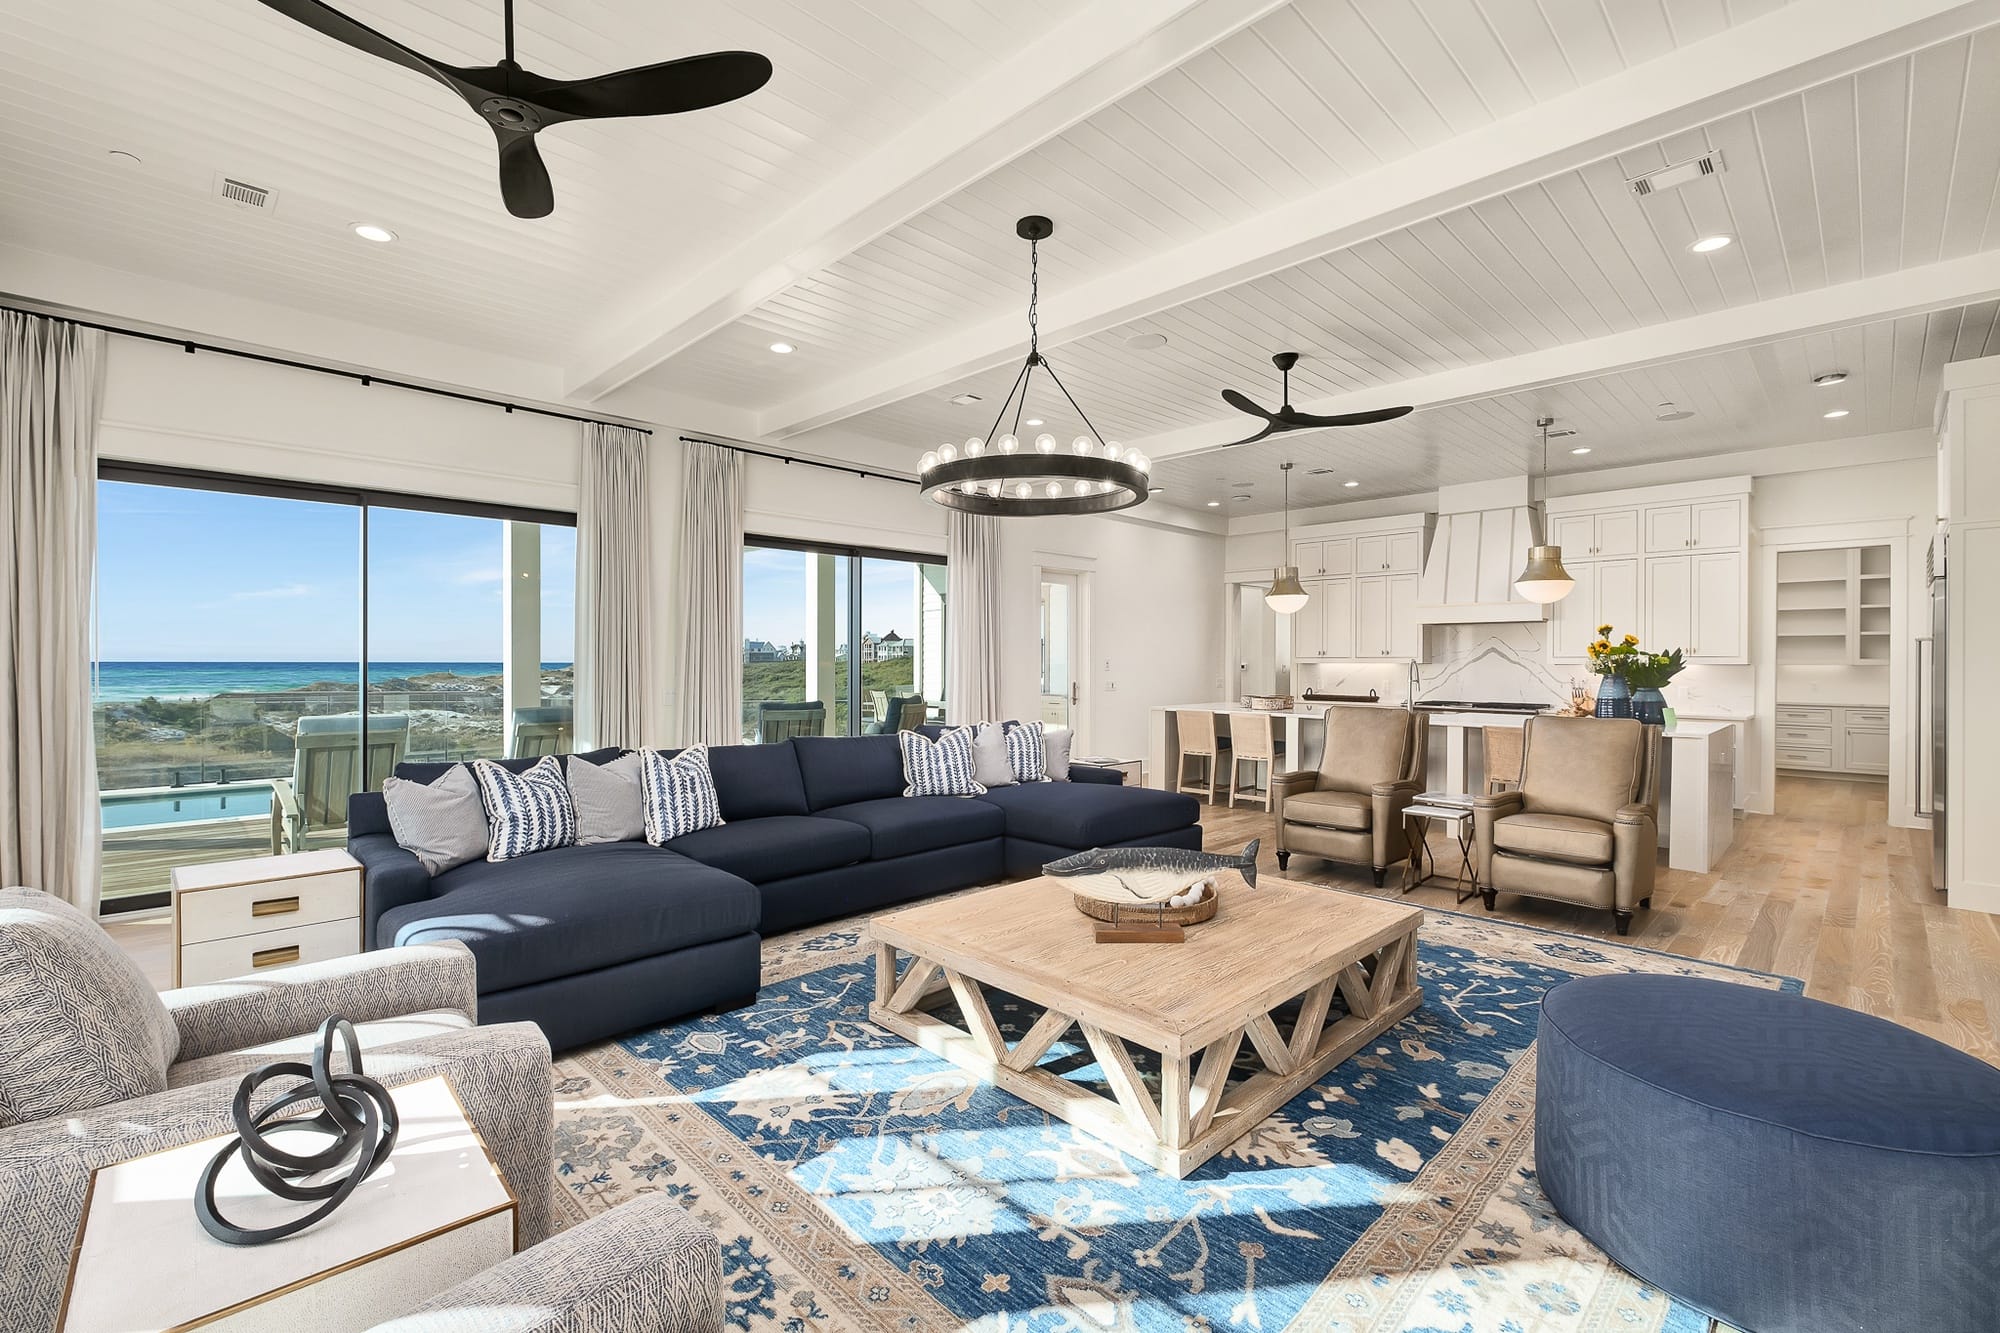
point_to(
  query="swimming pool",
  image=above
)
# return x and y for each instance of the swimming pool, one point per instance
(155, 806)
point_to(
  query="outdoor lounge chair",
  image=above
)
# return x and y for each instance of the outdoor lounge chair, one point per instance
(539, 731)
(327, 768)
(781, 720)
(903, 712)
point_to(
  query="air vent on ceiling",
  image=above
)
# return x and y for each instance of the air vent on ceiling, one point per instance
(243, 194)
(965, 399)
(1677, 175)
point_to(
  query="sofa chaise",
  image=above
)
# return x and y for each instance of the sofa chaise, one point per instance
(594, 941)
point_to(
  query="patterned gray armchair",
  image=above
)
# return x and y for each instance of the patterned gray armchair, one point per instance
(96, 1068)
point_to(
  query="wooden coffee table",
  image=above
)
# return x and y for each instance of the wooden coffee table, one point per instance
(1192, 1004)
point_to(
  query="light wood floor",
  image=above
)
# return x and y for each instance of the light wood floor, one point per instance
(1824, 890)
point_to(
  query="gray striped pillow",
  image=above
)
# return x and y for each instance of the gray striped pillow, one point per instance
(442, 823)
(680, 794)
(526, 812)
(941, 767)
(610, 801)
(82, 1028)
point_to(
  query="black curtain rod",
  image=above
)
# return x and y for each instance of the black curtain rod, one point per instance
(789, 459)
(192, 346)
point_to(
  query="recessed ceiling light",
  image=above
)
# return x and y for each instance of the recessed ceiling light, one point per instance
(1581, 449)
(965, 398)
(368, 231)
(1708, 245)
(124, 156)
(1668, 412)
(783, 349)
(1239, 497)
(1156, 490)
(1146, 342)
(1215, 504)
(1837, 412)
(1350, 485)
(1831, 378)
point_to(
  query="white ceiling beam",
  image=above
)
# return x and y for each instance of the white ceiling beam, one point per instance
(1939, 286)
(1779, 54)
(1097, 55)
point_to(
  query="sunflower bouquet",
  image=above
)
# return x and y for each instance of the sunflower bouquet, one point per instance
(1612, 659)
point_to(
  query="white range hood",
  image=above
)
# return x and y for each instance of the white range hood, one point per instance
(1484, 530)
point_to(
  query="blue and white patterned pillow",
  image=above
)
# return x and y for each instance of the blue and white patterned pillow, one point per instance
(680, 793)
(941, 767)
(1025, 754)
(525, 812)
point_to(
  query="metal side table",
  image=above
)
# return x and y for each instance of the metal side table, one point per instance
(1431, 808)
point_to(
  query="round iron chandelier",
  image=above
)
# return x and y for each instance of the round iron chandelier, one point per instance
(998, 473)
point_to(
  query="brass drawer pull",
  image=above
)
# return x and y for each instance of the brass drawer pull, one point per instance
(274, 906)
(278, 957)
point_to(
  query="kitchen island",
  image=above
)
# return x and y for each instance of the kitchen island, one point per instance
(1304, 734)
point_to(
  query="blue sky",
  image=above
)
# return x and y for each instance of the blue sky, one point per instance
(190, 576)
(774, 595)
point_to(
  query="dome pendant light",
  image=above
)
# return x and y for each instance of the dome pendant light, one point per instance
(1544, 579)
(1287, 594)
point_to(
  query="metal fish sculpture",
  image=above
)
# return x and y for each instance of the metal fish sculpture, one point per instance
(1147, 874)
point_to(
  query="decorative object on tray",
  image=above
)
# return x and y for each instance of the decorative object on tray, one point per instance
(1582, 701)
(357, 1117)
(1146, 895)
(1267, 703)
(1648, 674)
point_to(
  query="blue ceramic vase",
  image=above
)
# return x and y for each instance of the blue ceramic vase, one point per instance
(1650, 706)
(1614, 697)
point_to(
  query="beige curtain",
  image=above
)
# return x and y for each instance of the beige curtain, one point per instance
(711, 681)
(614, 560)
(972, 651)
(51, 389)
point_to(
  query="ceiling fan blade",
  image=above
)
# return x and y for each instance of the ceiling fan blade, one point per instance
(330, 22)
(1272, 429)
(524, 179)
(1242, 404)
(688, 84)
(1346, 419)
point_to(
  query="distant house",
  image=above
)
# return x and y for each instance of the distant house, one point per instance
(893, 645)
(759, 650)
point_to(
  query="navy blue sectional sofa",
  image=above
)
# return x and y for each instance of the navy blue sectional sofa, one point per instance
(594, 941)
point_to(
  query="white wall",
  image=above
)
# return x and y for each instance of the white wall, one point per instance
(1154, 586)
(1154, 610)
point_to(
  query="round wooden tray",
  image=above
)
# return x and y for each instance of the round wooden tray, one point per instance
(1135, 914)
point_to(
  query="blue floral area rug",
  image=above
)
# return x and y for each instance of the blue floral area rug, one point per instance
(860, 1183)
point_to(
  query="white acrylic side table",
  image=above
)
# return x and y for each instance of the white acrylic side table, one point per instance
(436, 1214)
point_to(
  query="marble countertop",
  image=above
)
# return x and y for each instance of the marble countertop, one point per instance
(1686, 728)
(1317, 712)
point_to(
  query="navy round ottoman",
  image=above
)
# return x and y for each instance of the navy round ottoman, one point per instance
(1783, 1165)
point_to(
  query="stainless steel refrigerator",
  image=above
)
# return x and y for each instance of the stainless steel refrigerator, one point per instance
(1931, 710)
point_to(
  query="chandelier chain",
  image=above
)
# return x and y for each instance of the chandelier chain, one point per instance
(1034, 296)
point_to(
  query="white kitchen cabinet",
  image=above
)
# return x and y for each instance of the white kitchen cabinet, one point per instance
(1618, 595)
(1406, 635)
(1719, 610)
(1612, 532)
(1371, 616)
(1865, 751)
(1324, 626)
(1606, 593)
(1708, 525)
(1330, 558)
(1669, 614)
(1831, 738)
(1388, 553)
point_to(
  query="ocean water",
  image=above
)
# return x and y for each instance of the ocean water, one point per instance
(119, 682)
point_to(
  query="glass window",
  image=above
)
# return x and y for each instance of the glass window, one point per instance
(233, 625)
(836, 641)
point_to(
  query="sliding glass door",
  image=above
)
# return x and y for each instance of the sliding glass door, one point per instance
(237, 622)
(839, 641)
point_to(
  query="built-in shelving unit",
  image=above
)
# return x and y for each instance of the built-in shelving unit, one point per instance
(1833, 607)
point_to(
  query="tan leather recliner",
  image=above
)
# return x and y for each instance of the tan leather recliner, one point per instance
(1351, 808)
(1583, 827)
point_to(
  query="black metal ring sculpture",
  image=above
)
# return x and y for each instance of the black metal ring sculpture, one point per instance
(356, 1113)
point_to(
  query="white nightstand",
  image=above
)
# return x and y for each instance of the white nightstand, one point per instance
(1133, 769)
(438, 1213)
(232, 918)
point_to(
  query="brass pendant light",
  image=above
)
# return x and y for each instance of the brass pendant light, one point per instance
(1287, 594)
(1544, 579)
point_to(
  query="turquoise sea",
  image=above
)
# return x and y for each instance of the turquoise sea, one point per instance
(126, 681)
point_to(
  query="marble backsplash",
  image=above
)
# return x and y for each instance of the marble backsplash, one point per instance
(1509, 664)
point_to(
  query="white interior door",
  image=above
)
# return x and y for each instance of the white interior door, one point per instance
(1062, 651)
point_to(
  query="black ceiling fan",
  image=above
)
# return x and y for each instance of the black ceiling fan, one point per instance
(1287, 418)
(519, 103)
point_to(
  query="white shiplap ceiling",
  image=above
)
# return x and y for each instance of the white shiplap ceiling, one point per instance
(1862, 144)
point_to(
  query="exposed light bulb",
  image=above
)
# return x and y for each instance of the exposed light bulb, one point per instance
(974, 447)
(1008, 444)
(1053, 490)
(947, 452)
(928, 461)
(1023, 490)
(1140, 461)
(1111, 451)
(1082, 447)
(1045, 443)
